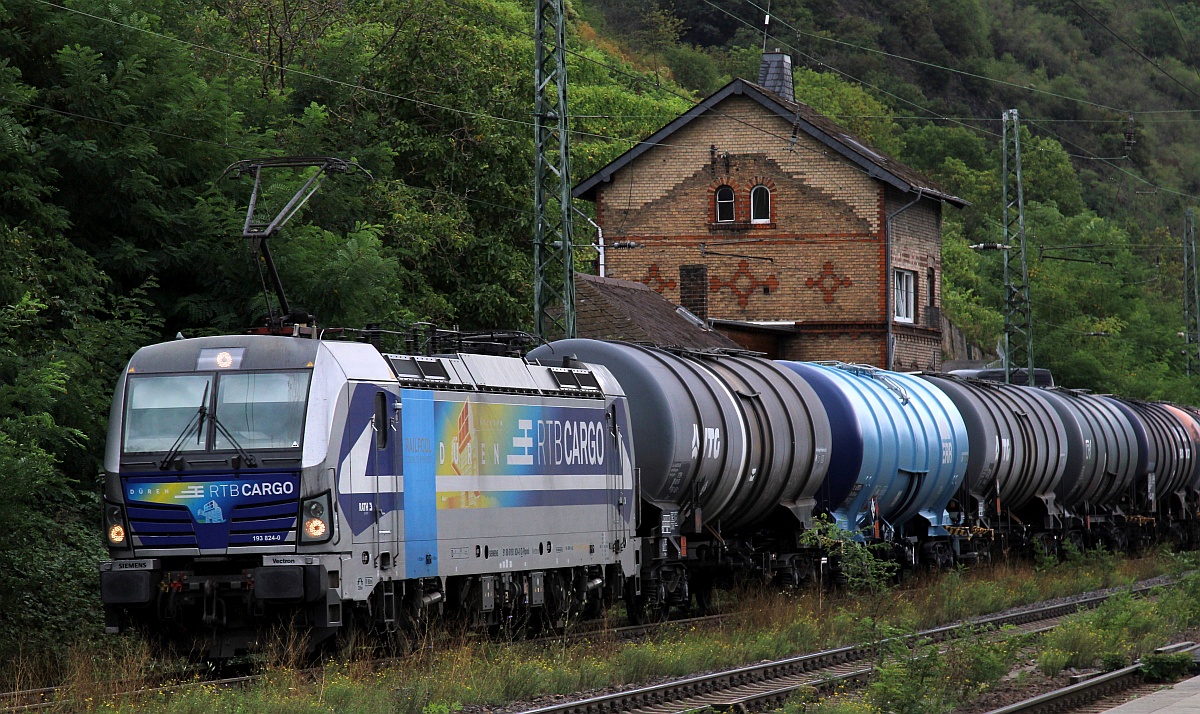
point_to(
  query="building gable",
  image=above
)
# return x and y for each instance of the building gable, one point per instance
(801, 119)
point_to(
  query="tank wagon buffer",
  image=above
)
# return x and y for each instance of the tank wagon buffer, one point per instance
(257, 480)
(737, 455)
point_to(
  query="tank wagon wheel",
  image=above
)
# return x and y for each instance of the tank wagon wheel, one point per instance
(651, 607)
(702, 593)
(938, 556)
(1193, 534)
(1074, 541)
(1045, 545)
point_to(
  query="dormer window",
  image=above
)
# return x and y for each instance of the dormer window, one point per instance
(760, 205)
(724, 199)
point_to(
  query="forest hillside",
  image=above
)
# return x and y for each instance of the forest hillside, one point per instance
(118, 118)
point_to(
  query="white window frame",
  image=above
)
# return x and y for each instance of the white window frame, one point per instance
(753, 205)
(904, 296)
(730, 201)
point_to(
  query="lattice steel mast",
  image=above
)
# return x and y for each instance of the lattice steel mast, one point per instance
(1191, 294)
(554, 277)
(1018, 327)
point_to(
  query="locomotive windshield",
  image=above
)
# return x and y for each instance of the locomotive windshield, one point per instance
(159, 409)
(261, 410)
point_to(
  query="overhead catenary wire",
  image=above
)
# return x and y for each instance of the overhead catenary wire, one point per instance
(934, 65)
(1087, 154)
(530, 124)
(184, 137)
(1107, 162)
(1138, 52)
(123, 125)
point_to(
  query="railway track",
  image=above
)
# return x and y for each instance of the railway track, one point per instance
(30, 700)
(1093, 695)
(768, 684)
(739, 690)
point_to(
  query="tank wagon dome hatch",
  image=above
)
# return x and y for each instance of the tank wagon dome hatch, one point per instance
(722, 438)
(902, 449)
(1042, 377)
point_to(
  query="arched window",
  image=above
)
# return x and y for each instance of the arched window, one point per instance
(724, 205)
(760, 205)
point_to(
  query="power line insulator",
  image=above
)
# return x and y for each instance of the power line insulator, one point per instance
(1130, 137)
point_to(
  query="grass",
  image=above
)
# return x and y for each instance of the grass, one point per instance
(446, 675)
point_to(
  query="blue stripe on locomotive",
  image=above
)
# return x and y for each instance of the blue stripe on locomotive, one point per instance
(420, 484)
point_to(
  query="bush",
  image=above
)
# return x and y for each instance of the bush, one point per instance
(1121, 629)
(1166, 667)
(1051, 661)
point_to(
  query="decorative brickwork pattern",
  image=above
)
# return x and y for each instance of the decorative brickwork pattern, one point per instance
(654, 279)
(744, 283)
(829, 281)
(819, 264)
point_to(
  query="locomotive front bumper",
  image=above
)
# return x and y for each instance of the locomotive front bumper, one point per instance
(134, 584)
(129, 582)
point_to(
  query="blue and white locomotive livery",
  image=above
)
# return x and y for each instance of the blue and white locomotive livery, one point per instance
(253, 480)
(256, 480)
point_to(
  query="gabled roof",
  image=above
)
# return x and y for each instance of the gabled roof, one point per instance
(610, 309)
(873, 162)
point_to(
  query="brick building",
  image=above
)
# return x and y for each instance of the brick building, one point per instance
(791, 235)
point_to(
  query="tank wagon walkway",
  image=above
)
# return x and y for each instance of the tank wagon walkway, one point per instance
(1183, 698)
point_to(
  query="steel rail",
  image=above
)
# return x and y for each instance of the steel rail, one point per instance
(763, 684)
(1089, 690)
(30, 700)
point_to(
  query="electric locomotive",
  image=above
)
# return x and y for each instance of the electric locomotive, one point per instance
(257, 480)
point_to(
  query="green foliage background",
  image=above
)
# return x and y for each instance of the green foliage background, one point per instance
(117, 119)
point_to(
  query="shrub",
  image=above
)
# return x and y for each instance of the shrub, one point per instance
(1166, 667)
(1051, 661)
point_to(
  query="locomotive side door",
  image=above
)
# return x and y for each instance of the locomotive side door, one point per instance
(388, 484)
(358, 481)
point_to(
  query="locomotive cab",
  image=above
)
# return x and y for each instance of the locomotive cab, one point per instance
(216, 507)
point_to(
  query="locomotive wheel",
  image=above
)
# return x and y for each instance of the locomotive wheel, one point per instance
(556, 613)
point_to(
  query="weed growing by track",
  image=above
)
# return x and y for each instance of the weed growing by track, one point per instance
(446, 674)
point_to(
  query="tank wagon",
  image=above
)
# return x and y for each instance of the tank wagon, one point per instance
(255, 479)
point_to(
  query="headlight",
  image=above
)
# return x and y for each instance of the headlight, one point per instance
(316, 517)
(315, 528)
(114, 526)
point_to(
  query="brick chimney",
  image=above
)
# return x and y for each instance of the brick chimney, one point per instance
(775, 74)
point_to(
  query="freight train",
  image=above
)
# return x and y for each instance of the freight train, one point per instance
(255, 480)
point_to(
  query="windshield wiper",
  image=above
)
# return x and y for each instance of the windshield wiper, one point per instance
(245, 455)
(197, 420)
